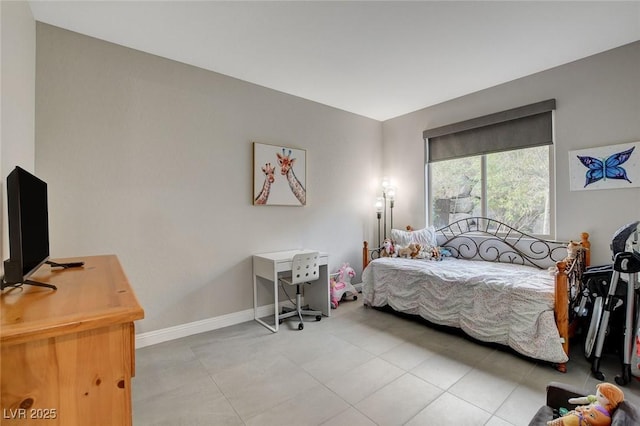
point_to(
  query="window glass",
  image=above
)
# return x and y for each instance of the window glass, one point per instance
(512, 187)
(456, 190)
(518, 189)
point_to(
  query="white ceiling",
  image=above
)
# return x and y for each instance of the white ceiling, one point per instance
(380, 59)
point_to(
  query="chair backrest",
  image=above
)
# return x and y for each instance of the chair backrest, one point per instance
(305, 267)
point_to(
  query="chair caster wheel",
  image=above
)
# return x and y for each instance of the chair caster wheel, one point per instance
(280, 321)
(318, 317)
(300, 326)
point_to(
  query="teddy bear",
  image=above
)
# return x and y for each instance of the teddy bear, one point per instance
(434, 253)
(437, 253)
(598, 411)
(411, 251)
(388, 249)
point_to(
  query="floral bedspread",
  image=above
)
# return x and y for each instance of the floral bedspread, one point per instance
(492, 302)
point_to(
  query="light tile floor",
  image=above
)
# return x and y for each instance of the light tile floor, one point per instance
(358, 367)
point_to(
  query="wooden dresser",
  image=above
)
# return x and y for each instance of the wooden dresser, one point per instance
(68, 355)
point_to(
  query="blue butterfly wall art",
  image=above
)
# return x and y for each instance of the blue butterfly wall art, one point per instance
(606, 168)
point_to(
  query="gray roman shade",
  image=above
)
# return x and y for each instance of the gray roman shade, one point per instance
(523, 127)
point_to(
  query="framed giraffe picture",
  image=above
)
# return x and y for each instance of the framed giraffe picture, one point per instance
(279, 175)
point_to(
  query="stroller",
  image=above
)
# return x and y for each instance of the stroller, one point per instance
(595, 288)
(614, 297)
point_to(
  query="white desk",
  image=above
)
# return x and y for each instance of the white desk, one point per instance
(270, 265)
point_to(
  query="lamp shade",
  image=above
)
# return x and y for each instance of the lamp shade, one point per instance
(379, 204)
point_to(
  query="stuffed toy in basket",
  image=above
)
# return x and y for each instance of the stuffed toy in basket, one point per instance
(599, 410)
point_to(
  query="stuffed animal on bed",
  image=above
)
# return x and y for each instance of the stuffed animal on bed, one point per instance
(573, 248)
(437, 253)
(434, 253)
(599, 410)
(411, 251)
(388, 249)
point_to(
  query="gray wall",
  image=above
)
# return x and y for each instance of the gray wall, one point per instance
(598, 104)
(151, 159)
(17, 85)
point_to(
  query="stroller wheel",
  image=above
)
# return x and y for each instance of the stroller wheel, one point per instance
(594, 326)
(625, 377)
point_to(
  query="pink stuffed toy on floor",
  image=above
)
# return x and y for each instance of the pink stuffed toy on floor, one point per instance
(341, 285)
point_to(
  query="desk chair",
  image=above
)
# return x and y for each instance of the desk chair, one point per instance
(304, 270)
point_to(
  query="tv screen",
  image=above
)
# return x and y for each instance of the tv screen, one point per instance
(28, 225)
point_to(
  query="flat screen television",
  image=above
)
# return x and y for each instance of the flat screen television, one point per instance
(28, 227)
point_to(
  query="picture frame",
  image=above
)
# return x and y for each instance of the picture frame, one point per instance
(279, 175)
(606, 167)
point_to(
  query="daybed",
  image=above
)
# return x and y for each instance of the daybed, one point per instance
(499, 285)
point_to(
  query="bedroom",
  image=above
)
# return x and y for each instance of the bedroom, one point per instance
(187, 243)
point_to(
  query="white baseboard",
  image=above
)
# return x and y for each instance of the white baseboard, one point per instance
(202, 326)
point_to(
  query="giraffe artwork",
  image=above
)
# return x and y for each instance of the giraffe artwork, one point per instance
(286, 169)
(269, 178)
(274, 181)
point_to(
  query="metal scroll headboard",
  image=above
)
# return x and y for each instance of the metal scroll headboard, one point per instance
(493, 241)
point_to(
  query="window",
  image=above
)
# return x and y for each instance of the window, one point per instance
(511, 187)
(494, 167)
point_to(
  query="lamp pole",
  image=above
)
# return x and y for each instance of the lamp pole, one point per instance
(384, 196)
(385, 186)
(391, 194)
(379, 207)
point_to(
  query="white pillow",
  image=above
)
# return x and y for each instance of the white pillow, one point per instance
(426, 237)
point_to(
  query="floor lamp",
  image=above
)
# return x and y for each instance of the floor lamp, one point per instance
(388, 194)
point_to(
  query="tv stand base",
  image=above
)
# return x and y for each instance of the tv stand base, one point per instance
(39, 284)
(4, 284)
